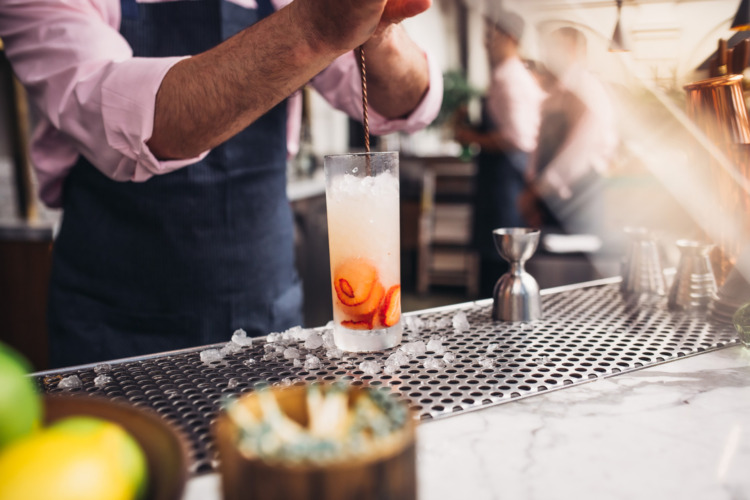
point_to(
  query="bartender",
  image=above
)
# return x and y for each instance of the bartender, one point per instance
(506, 137)
(163, 136)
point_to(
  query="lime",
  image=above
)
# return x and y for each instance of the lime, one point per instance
(20, 403)
(78, 458)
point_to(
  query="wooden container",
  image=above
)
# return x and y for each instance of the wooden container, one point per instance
(387, 474)
(164, 447)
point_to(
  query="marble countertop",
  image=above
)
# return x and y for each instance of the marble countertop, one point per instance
(677, 430)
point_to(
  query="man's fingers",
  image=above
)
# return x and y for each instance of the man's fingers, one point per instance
(396, 10)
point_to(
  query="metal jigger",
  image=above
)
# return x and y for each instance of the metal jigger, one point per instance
(642, 271)
(694, 286)
(516, 296)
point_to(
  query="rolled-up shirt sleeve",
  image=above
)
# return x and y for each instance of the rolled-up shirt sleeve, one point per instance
(94, 97)
(341, 86)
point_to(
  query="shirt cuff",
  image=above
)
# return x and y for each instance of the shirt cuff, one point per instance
(128, 103)
(425, 112)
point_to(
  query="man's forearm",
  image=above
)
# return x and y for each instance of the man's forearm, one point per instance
(397, 73)
(208, 98)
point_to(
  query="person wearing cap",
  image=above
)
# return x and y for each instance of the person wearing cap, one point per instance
(506, 137)
(164, 133)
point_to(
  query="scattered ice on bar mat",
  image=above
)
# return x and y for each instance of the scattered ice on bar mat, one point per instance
(70, 382)
(741, 320)
(102, 380)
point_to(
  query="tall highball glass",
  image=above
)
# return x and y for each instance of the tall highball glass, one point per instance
(362, 198)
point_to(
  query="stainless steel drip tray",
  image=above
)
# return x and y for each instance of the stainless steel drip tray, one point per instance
(588, 333)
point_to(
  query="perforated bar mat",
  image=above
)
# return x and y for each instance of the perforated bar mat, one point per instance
(587, 333)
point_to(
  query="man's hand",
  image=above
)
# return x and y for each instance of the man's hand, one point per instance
(346, 24)
(208, 98)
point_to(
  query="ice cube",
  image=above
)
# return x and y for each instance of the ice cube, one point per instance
(413, 349)
(328, 341)
(370, 367)
(312, 362)
(460, 322)
(250, 362)
(492, 348)
(211, 356)
(314, 341)
(486, 362)
(230, 348)
(233, 383)
(301, 334)
(293, 333)
(286, 382)
(292, 353)
(334, 353)
(399, 358)
(442, 323)
(102, 368)
(434, 364)
(297, 363)
(270, 356)
(436, 344)
(273, 337)
(391, 368)
(70, 382)
(449, 357)
(240, 338)
(102, 380)
(414, 324)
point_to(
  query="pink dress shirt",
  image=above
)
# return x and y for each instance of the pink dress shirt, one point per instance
(514, 100)
(97, 100)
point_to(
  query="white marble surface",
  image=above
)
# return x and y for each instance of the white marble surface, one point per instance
(680, 430)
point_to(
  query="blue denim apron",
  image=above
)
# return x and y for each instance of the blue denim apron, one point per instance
(184, 258)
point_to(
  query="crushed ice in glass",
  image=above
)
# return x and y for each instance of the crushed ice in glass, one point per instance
(70, 382)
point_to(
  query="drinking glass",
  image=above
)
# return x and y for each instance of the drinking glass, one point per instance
(362, 200)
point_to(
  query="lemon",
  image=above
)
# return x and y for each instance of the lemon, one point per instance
(20, 403)
(78, 458)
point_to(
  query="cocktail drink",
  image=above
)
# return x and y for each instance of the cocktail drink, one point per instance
(362, 198)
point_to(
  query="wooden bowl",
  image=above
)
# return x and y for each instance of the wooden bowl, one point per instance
(164, 447)
(388, 474)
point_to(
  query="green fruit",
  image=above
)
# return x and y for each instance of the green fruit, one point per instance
(20, 403)
(78, 458)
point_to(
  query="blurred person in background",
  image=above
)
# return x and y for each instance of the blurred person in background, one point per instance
(506, 137)
(164, 134)
(577, 140)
